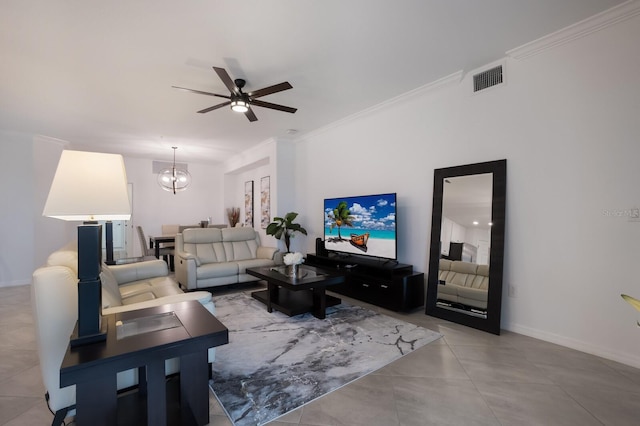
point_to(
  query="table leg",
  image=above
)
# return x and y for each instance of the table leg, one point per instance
(272, 294)
(194, 388)
(156, 393)
(97, 401)
(142, 380)
(319, 302)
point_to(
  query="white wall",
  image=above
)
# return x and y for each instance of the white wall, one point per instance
(567, 122)
(49, 233)
(274, 158)
(16, 209)
(153, 206)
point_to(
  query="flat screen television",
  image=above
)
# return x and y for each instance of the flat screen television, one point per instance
(363, 225)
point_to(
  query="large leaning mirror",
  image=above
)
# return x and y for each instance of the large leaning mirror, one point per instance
(464, 284)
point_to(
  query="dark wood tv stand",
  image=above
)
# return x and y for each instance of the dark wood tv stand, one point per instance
(384, 283)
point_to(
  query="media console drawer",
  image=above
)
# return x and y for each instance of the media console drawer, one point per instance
(399, 294)
(394, 287)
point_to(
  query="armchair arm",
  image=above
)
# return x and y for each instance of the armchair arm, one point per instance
(138, 271)
(266, 252)
(204, 297)
(185, 265)
(186, 255)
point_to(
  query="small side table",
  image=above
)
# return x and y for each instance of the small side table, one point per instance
(144, 339)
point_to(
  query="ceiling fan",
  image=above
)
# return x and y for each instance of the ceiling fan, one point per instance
(241, 101)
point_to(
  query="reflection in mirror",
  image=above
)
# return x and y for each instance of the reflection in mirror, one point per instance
(467, 238)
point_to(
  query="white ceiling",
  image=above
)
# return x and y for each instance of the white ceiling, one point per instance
(99, 74)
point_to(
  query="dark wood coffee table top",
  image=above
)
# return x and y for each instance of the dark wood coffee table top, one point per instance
(309, 277)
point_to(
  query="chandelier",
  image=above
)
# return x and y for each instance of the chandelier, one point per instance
(174, 179)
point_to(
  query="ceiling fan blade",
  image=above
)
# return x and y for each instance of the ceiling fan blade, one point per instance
(264, 104)
(201, 92)
(271, 89)
(224, 76)
(250, 115)
(214, 107)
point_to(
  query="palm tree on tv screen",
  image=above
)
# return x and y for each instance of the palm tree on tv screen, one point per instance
(340, 216)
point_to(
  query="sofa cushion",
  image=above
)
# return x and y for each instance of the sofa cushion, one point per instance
(240, 243)
(201, 236)
(203, 243)
(481, 280)
(138, 270)
(444, 270)
(137, 298)
(464, 267)
(473, 294)
(210, 253)
(149, 289)
(464, 273)
(253, 263)
(241, 250)
(215, 270)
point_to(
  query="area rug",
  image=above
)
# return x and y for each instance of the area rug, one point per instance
(274, 363)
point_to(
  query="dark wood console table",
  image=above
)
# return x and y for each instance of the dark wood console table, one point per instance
(391, 285)
(144, 339)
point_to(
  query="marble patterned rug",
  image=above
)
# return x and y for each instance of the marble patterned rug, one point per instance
(274, 363)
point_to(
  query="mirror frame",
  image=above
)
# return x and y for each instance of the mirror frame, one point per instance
(496, 253)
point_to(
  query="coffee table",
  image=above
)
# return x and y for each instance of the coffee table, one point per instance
(294, 296)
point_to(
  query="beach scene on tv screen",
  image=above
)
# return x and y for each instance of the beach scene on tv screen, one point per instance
(363, 225)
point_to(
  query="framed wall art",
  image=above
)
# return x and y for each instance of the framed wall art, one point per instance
(248, 203)
(265, 202)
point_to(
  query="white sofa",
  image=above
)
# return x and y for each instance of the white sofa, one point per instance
(464, 283)
(208, 257)
(54, 301)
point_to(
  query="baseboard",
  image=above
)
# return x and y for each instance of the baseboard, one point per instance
(14, 283)
(627, 359)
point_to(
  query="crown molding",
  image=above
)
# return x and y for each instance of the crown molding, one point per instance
(578, 30)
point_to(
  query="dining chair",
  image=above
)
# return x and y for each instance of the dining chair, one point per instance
(167, 253)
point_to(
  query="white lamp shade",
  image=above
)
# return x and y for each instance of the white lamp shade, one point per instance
(89, 186)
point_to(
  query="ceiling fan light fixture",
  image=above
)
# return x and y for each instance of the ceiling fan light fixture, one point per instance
(239, 105)
(174, 179)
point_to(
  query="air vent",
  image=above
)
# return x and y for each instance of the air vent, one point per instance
(488, 78)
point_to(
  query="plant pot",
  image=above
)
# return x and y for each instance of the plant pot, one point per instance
(291, 270)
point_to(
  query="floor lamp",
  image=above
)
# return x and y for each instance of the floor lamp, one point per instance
(88, 187)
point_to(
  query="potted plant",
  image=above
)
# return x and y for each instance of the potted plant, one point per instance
(284, 228)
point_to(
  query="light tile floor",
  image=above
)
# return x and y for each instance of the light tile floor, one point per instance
(466, 378)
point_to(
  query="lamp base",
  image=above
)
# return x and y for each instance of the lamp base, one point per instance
(90, 328)
(99, 336)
